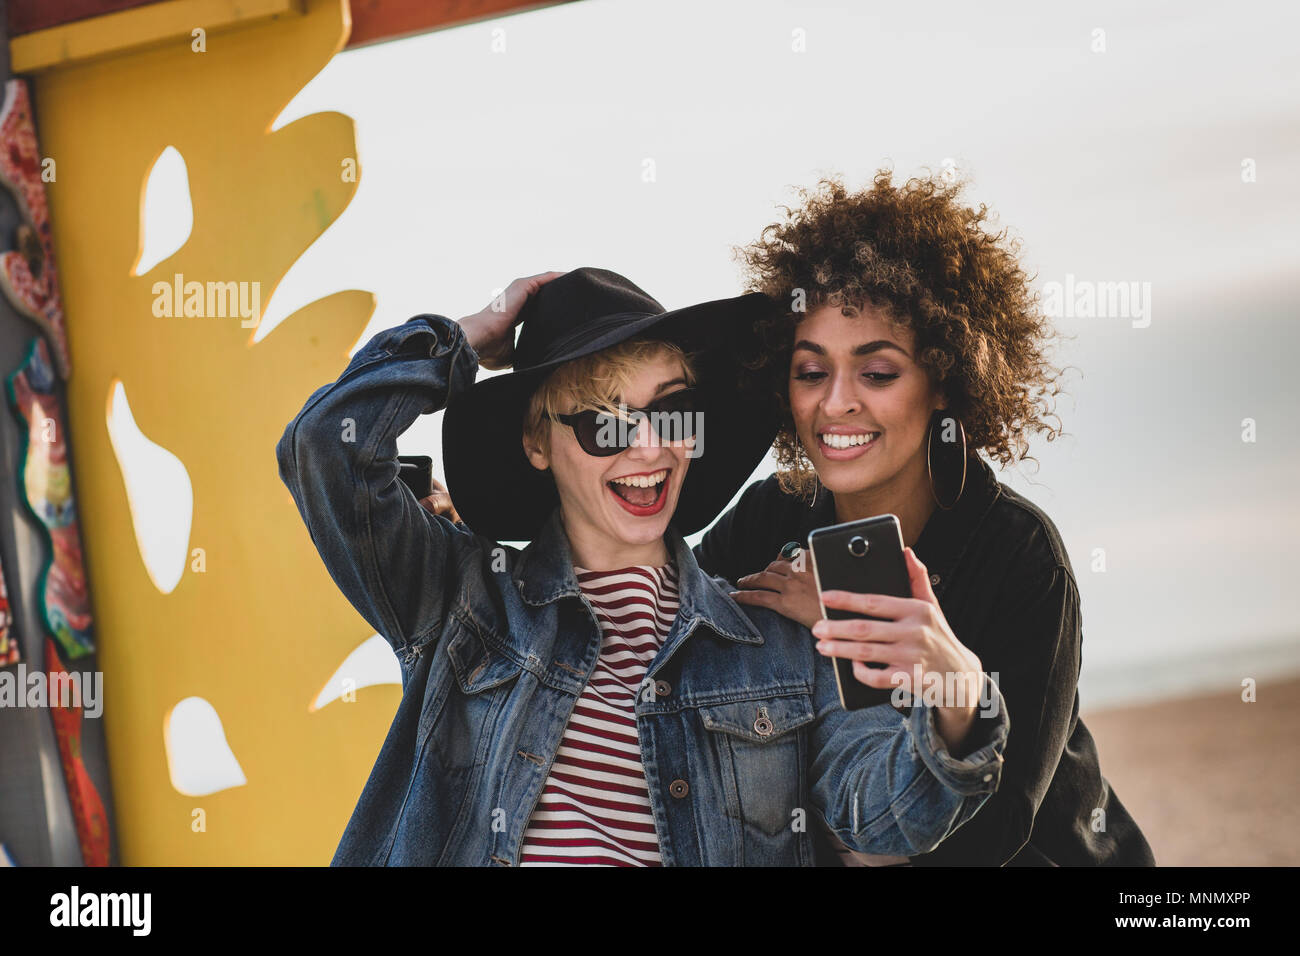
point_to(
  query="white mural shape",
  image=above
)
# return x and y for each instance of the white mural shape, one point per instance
(167, 213)
(159, 492)
(371, 663)
(199, 759)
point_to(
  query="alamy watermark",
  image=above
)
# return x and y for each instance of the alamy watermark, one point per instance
(945, 689)
(210, 300)
(129, 910)
(36, 688)
(1084, 299)
(666, 428)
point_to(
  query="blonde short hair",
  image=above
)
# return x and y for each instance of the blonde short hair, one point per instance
(599, 381)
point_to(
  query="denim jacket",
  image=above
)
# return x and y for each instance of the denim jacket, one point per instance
(742, 735)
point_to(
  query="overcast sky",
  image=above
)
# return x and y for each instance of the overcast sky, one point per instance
(519, 145)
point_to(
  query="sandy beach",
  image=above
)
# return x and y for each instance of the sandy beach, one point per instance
(1211, 780)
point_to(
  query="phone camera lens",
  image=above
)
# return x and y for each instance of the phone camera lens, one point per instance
(857, 546)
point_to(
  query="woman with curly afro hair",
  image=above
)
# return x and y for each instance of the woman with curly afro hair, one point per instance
(911, 342)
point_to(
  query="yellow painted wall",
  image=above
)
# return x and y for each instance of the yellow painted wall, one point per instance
(261, 630)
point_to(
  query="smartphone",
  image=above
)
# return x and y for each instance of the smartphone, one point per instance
(417, 473)
(866, 557)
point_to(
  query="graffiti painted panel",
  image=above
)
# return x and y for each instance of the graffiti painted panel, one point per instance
(45, 484)
(27, 275)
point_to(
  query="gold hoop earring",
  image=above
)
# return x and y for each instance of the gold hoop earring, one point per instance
(929, 470)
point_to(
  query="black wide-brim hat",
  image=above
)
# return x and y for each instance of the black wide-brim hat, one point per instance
(498, 492)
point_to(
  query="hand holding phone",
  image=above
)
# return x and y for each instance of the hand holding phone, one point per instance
(416, 472)
(863, 556)
(869, 556)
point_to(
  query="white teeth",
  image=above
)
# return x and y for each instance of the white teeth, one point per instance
(642, 481)
(848, 441)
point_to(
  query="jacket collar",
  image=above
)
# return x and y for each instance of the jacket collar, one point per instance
(947, 534)
(545, 574)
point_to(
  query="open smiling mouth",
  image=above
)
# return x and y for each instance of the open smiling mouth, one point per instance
(642, 494)
(844, 446)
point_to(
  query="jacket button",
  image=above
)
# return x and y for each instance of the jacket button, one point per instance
(934, 579)
(663, 688)
(679, 788)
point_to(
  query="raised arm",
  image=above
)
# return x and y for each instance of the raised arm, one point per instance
(338, 458)
(393, 560)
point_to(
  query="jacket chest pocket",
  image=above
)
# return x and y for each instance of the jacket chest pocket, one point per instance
(471, 696)
(762, 754)
(478, 665)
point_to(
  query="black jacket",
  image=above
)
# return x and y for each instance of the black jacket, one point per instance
(1004, 582)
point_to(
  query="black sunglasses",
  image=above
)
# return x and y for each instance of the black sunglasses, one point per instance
(602, 434)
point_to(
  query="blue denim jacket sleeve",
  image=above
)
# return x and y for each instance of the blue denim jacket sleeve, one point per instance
(392, 559)
(900, 794)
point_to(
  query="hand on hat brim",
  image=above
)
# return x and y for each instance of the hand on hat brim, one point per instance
(490, 332)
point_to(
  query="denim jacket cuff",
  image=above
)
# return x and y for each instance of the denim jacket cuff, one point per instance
(412, 337)
(979, 771)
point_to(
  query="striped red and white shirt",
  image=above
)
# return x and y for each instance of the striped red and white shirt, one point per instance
(595, 806)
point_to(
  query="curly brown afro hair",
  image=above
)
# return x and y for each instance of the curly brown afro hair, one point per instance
(931, 265)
